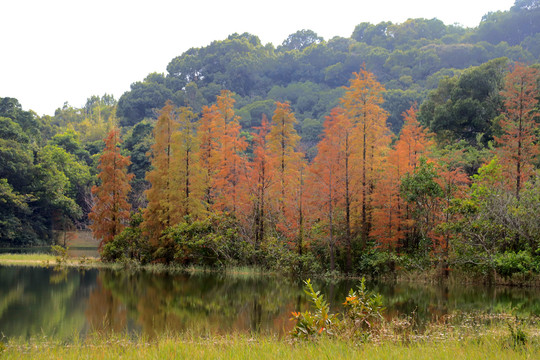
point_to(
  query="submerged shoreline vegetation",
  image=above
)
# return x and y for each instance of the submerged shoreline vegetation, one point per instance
(411, 275)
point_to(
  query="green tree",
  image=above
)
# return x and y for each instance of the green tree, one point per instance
(141, 101)
(423, 193)
(70, 141)
(464, 107)
(137, 144)
(14, 209)
(76, 172)
(301, 40)
(478, 226)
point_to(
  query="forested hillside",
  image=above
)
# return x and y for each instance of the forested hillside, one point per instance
(409, 59)
(404, 145)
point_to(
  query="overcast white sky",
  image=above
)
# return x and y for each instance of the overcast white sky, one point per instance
(54, 51)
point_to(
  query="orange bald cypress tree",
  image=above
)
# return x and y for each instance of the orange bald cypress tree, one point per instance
(362, 104)
(293, 225)
(259, 179)
(229, 181)
(339, 132)
(518, 144)
(391, 214)
(282, 141)
(161, 210)
(111, 210)
(328, 178)
(414, 141)
(209, 149)
(287, 189)
(225, 107)
(186, 174)
(388, 207)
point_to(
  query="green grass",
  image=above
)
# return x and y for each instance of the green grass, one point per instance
(40, 259)
(27, 257)
(487, 346)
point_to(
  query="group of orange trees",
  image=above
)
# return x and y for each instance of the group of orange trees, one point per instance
(365, 189)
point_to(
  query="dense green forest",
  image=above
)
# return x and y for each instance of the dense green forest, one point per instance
(444, 86)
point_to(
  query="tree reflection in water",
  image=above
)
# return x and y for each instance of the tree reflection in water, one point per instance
(42, 302)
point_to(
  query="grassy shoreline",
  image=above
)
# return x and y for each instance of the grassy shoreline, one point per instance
(491, 343)
(47, 260)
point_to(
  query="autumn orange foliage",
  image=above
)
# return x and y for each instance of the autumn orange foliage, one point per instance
(209, 154)
(329, 177)
(391, 215)
(355, 190)
(260, 178)
(229, 181)
(518, 144)
(175, 177)
(288, 163)
(111, 211)
(187, 175)
(362, 104)
(414, 142)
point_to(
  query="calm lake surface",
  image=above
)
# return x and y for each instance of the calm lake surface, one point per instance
(44, 302)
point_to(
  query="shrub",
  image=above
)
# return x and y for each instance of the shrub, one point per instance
(130, 244)
(377, 262)
(276, 254)
(213, 241)
(510, 263)
(61, 253)
(311, 324)
(363, 312)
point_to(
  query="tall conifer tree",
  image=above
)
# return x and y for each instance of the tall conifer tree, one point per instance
(161, 211)
(519, 144)
(362, 103)
(111, 210)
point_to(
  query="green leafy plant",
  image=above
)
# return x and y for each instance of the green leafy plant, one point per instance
(312, 324)
(363, 308)
(510, 263)
(363, 311)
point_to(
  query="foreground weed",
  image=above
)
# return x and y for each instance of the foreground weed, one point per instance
(363, 310)
(308, 324)
(362, 316)
(518, 336)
